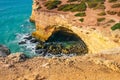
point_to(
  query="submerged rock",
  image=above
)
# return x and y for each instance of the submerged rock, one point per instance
(4, 51)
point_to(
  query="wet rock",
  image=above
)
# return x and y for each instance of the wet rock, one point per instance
(40, 51)
(65, 51)
(4, 51)
(54, 48)
(22, 42)
(28, 37)
(66, 48)
(39, 46)
(33, 40)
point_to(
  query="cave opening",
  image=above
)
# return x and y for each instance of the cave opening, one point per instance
(63, 36)
(67, 42)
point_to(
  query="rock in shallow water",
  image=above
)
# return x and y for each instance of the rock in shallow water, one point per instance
(33, 40)
(4, 51)
(22, 42)
(56, 48)
(28, 37)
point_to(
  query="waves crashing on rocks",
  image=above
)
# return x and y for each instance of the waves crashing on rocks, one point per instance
(36, 47)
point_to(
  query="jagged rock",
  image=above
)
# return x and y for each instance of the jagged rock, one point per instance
(28, 37)
(22, 42)
(33, 40)
(48, 22)
(56, 48)
(16, 57)
(4, 51)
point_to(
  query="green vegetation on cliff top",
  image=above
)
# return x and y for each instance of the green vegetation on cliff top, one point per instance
(81, 20)
(80, 5)
(112, 1)
(51, 4)
(100, 19)
(116, 26)
(117, 5)
(81, 14)
(73, 7)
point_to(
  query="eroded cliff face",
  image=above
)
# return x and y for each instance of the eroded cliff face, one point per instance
(47, 22)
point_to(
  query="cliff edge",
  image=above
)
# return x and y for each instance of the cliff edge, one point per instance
(84, 22)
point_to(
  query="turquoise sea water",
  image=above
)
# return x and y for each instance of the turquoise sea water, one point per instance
(14, 22)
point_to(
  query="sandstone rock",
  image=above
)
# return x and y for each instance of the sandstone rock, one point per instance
(49, 22)
(46, 65)
(108, 63)
(17, 57)
(4, 51)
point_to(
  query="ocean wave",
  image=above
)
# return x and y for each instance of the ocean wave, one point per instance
(28, 46)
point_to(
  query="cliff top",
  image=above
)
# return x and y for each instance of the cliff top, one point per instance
(91, 67)
(101, 14)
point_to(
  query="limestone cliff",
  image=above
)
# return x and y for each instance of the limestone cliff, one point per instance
(47, 22)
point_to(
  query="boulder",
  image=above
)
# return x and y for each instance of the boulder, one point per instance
(16, 57)
(22, 42)
(29, 37)
(33, 40)
(4, 51)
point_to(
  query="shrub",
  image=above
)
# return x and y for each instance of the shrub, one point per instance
(101, 1)
(65, 7)
(100, 19)
(38, 8)
(102, 14)
(72, 0)
(81, 20)
(116, 5)
(100, 6)
(92, 4)
(111, 12)
(82, 14)
(112, 1)
(79, 7)
(111, 21)
(73, 7)
(52, 4)
(116, 26)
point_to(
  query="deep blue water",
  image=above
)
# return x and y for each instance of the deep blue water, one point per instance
(14, 22)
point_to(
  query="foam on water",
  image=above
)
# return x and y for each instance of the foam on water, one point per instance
(15, 26)
(28, 47)
(14, 23)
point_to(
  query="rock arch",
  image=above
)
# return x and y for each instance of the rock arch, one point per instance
(49, 22)
(64, 35)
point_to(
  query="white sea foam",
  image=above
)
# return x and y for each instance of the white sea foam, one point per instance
(28, 46)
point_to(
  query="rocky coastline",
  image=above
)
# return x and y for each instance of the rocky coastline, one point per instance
(49, 22)
(66, 48)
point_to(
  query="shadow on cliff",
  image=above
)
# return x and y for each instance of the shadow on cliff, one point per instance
(66, 36)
